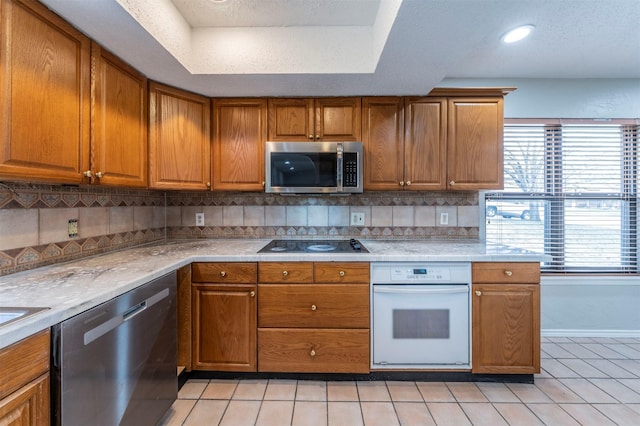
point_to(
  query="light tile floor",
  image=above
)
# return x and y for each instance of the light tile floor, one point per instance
(585, 381)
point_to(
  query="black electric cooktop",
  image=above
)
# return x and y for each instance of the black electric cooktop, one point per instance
(314, 246)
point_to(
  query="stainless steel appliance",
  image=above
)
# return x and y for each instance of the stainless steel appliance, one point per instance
(420, 315)
(313, 167)
(314, 246)
(116, 363)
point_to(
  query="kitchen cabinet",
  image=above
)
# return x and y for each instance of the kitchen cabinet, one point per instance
(240, 131)
(44, 95)
(224, 322)
(320, 119)
(313, 317)
(475, 143)
(119, 128)
(179, 139)
(24, 390)
(505, 318)
(382, 139)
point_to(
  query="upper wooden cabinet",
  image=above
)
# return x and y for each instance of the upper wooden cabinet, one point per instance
(475, 158)
(321, 119)
(240, 131)
(119, 128)
(452, 141)
(179, 139)
(44, 95)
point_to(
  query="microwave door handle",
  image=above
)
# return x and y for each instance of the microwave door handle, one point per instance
(421, 290)
(339, 166)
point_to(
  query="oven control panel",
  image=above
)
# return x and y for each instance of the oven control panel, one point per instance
(433, 274)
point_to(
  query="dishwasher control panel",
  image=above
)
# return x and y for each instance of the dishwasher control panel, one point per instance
(421, 273)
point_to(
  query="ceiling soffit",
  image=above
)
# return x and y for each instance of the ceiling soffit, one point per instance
(301, 37)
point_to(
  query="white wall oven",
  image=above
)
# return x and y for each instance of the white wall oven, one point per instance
(420, 315)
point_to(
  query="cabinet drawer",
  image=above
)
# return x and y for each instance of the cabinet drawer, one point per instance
(313, 350)
(24, 361)
(314, 306)
(341, 272)
(286, 272)
(506, 272)
(231, 272)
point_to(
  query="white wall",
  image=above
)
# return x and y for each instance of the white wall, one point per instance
(577, 306)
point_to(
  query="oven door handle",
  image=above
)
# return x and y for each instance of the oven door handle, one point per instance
(420, 290)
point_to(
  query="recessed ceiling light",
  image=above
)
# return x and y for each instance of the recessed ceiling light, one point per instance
(517, 34)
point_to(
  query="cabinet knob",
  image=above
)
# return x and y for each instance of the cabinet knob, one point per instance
(408, 182)
(508, 273)
(341, 273)
(311, 137)
(314, 307)
(99, 175)
(263, 183)
(317, 137)
(478, 293)
(87, 174)
(208, 184)
(252, 294)
(285, 273)
(312, 353)
(401, 183)
(453, 182)
(223, 274)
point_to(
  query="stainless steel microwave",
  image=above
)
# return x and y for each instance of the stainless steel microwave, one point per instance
(313, 167)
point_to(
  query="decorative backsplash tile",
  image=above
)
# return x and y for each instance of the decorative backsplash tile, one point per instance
(34, 218)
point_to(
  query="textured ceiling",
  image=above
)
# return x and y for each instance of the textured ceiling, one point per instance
(359, 47)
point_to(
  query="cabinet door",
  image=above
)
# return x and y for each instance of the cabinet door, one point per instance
(338, 119)
(44, 95)
(291, 119)
(506, 328)
(383, 140)
(119, 130)
(224, 327)
(179, 139)
(29, 405)
(475, 144)
(425, 139)
(240, 131)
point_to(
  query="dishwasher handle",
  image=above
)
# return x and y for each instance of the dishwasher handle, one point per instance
(421, 290)
(134, 310)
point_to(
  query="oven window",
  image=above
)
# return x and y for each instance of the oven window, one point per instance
(296, 169)
(421, 323)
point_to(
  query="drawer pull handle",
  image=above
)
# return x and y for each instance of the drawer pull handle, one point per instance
(478, 293)
(312, 353)
(252, 294)
(223, 274)
(285, 273)
(314, 307)
(508, 273)
(342, 273)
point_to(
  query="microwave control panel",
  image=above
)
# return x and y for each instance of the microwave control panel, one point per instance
(350, 169)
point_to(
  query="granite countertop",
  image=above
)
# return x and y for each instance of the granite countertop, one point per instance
(71, 288)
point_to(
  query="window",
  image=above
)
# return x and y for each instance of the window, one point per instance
(571, 191)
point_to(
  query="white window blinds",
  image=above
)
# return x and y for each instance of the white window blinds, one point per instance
(570, 192)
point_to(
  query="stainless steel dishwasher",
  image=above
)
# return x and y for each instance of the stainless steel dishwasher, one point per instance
(116, 363)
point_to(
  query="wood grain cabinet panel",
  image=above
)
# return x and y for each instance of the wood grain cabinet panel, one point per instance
(313, 350)
(475, 157)
(311, 306)
(285, 272)
(44, 95)
(240, 131)
(505, 319)
(119, 127)
(321, 119)
(383, 142)
(224, 272)
(341, 272)
(24, 384)
(179, 139)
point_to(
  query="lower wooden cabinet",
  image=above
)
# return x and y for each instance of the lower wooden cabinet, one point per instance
(506, 318)
(223, 313)
(318, 323)
(24, 381)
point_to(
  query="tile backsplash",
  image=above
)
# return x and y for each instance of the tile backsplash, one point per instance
(34, 218)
